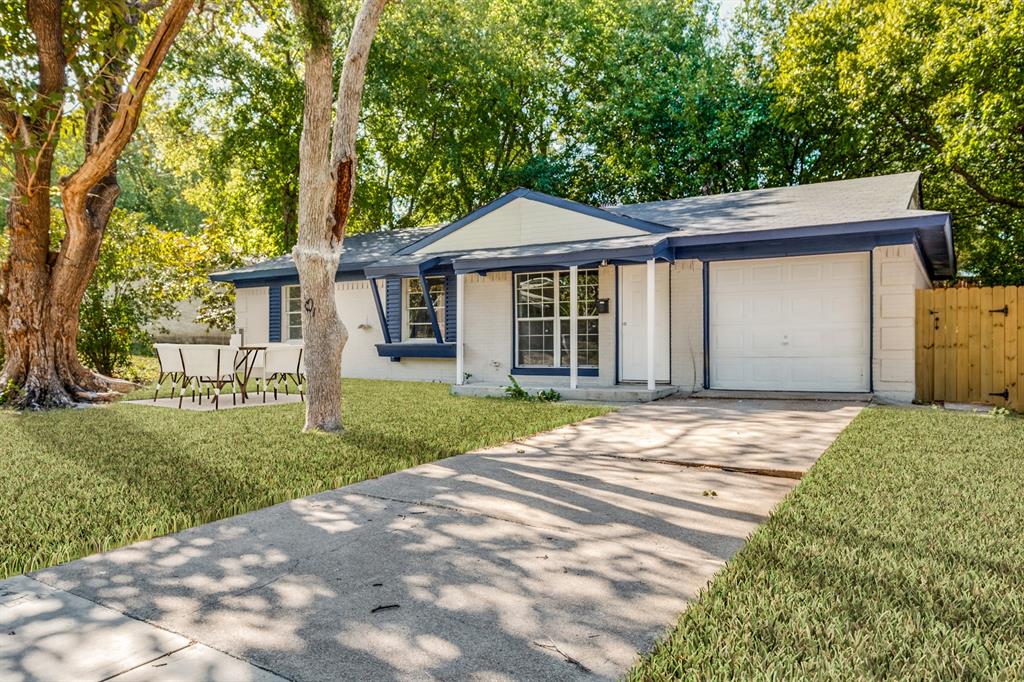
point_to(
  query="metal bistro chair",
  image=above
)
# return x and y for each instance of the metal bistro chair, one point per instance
(210, 366)
(170, 366)
(281, 363)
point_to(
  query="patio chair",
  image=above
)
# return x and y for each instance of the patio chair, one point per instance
(209, 366)
(281, 363)
(170, 366)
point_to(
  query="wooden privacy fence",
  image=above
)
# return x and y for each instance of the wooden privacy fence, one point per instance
(970, 346)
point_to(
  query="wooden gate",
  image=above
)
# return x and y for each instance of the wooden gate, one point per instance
(970, 346)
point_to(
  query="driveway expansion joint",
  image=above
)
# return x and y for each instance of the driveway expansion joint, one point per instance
(732, 469)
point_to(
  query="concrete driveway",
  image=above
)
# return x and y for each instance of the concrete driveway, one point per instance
(559, 557)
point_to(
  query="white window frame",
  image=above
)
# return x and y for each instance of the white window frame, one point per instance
(407, 323)
(556, 320)
(287, 328)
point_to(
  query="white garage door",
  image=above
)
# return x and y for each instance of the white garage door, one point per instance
(790, 324)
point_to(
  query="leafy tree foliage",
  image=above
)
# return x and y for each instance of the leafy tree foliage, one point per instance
(936, 85)
(142, 273)
(234, 115)
(600, 101)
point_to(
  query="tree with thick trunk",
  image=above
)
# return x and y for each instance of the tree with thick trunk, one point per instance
(41, 290)
(327, 176)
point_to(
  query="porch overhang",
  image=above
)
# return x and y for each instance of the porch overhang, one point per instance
(623, 250)
(407, 266)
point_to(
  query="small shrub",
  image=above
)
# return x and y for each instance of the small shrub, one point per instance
(1000, 412)
(516, 392)
(549, 395)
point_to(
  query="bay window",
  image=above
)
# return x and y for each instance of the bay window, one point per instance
(543, 319)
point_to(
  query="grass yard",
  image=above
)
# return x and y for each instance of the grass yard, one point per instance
(900, 555)
(75, 482)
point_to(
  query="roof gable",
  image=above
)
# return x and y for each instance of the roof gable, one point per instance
(524, 217)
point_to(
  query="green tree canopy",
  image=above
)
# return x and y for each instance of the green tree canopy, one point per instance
(935, 85)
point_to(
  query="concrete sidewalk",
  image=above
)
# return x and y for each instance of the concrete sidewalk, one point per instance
(559, 557)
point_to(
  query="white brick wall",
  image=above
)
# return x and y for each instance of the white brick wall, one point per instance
(687, 310)
(359, 314)
(488, 327)
(896, 273)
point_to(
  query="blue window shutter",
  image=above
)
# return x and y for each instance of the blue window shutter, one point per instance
(275, 313)
(450, 308)
(393, 308)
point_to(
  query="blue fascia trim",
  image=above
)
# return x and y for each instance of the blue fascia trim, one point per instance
(271, 274)
(871, 321)
(635, 254)
(935, 221)
(380, 311)
(806, 246)
(554, 371)
(416, 349)
(522, 192)
(618, 314)
(929, 267)
(285, 276)
(706, 280)
(933, 230)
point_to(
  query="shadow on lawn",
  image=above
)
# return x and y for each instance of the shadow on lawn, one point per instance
(533, 561)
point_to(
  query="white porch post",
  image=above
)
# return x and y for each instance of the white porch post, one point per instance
(574, 312)
(650, 325)
(460, 307)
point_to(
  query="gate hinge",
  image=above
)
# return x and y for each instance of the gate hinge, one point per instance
(1005, 310)
(1005, 395)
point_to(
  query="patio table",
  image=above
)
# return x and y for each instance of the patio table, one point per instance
(247, 364)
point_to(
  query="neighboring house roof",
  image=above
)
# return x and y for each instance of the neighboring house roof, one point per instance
(841, 208)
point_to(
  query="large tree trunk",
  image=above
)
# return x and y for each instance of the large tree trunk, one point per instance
(326, 185)
(41, 291)
(316, 259)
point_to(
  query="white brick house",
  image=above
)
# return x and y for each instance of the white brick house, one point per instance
(807, 288)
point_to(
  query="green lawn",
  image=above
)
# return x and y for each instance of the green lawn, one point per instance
(75, 482)
(900, 555)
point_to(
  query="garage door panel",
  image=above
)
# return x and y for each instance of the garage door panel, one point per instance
(848, 272)
(800, 323)
(808, 272)
(765, 274)
(731, 309)
(806, 304)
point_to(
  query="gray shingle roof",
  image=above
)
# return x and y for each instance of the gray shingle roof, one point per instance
(824, 203)
(835, 205)
(357, 251)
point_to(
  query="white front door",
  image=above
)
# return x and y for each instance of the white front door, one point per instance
(791, 324)
(633, 322)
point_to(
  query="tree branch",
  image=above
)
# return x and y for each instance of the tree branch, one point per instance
(126, 119)
(969, 178)
(44, 16)
(346, 122)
